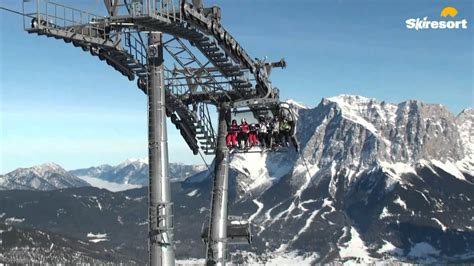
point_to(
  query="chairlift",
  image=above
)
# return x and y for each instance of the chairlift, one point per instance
(238, 231)
(258, 113)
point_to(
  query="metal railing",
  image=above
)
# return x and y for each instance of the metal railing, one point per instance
(43, 14)
(170, 9)
(175, 86)
(186, 59)
(206, 122)
(136, 48)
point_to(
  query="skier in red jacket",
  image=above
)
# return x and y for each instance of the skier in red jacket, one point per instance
(253, 134)
(231, 137)
(243, 134)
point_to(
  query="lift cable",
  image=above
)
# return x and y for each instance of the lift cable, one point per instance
(204, 160)
(14, 11)
(300, 148)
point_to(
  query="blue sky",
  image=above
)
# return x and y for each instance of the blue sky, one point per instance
(60, 104)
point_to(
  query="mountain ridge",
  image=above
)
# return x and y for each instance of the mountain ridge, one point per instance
(46, 176)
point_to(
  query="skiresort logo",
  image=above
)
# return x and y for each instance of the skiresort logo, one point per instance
(425, 23)
(449, 11)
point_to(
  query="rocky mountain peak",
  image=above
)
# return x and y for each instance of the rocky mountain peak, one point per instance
(47, 176)
(47, 167)
(351, 134)
(137, 162)
(465, 121)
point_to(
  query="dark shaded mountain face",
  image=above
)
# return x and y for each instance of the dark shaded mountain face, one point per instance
(374, 182)
(26, 246)
(135, 171)
(97, 223)
(47, 176)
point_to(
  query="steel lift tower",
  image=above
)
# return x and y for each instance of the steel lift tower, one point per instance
(210, 68)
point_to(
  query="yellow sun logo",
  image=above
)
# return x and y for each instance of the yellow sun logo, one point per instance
(449, 11)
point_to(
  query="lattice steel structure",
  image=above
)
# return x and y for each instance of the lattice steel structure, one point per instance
(209, 68)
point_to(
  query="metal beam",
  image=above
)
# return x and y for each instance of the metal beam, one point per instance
(160, 206)
(217, 244)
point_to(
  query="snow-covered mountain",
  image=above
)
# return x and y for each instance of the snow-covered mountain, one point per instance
(92, 171)
(351, 135)
(135, 172)
(47, 176)
(374, 181)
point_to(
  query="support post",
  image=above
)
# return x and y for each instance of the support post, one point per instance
(217, 238)
(160, 206)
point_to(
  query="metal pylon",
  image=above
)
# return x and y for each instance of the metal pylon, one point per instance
(160, 207)
(217, 238)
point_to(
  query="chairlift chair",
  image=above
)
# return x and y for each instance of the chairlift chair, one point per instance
(253, 111)
(238, 231)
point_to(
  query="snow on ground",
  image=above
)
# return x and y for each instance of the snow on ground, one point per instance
(422, 250)
(301, 207)
(400, 202)
(306, 225)
(12, 220)
(395, 171)
(114, 187)
(443, 227)
(191, 262)
(296, 104)
(291, 258)
(333, 182)
(287, 212)
(258, 170)
(353, 112)
(268, 217)
(385, 213)
(96, 238)
(260, 207)
(307, 173)
(449, 168)
(466, 165)
(98, 235)
(328, 203)
(98, 203)
(389, 248)
(136, 199)
(423, 195)
(193, 193)
(355, 247)
(279, 259)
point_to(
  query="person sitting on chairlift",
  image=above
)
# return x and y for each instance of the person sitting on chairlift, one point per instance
(253, 134)
(274, 132)
(285, 129)
(231, 138)
(292, 134)
(243, 134)
(263, 132)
